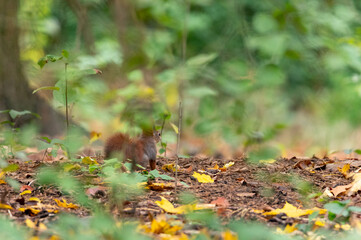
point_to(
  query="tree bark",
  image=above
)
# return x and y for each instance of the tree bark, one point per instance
(15, 92)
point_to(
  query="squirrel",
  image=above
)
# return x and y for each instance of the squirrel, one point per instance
(141, 150)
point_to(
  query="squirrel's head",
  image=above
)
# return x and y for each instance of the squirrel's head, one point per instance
(157, 136)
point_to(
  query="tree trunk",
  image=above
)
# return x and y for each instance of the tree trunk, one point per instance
(15, 92)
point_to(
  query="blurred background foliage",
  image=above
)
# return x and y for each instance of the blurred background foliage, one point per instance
(247, 71)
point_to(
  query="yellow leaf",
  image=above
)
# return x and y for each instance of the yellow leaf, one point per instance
(34, 199)
(175, 128)
(228, 235)
(71, 167)
(5, 206)
(54, 237)
(170, 167)
(29, 223)
(89, 161)
(258, 211)
(64, 204)
(344, 227)
(320, 223)
(160, 186)
(290, 228)
(2, 181)
(202, 178)
(34, 211)
(168, 207)
(162, 226)
(226, 166)
(34, 238)
(292, 211)
(94, 136)
(268, 161)
(215, 167)
(344, 170)
(25, 192)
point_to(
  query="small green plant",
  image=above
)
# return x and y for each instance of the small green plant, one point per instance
(340, 211)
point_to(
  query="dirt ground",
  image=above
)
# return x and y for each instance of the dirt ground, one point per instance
(244, 187)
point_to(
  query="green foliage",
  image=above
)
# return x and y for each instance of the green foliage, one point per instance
(340, 211)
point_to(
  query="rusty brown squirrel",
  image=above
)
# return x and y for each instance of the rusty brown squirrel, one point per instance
(141, 150)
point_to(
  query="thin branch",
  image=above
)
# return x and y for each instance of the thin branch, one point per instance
(178, 143)
(66, 98)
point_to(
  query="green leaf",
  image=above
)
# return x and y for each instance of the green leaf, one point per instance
(202, 92)
(46, 139)
(264, 23)
(46, 88)
(14, 113)
(42, 61)
(354, 209)
(11, 168)
(337, 208)
(4, 111)
(201, 59)
(155, 173)
(165, 177)
(358, 151)
(161, 151)
(65, 53)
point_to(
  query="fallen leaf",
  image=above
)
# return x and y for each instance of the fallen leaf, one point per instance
(228, 235)
(221, 202)
(2, 182)
(340, 189)
(168, 207)
(162, 226)
(5, 206)
(202, 178)
(34, 199)
(29, 223)
(188, 170)
(25, 192)
(170, 167)
(160, 186)
(26, 187)
(71, 167)
(288, 229)
(226, 166)
(292, 211)
(64, 204)
(269, 161)
(303, 164)
(31, 210)
(89, 161)
(250, 194)
(215, 167)
(344, 170)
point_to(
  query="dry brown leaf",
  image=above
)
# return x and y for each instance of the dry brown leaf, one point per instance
(249, 194)
(303, 164)
(340, 189)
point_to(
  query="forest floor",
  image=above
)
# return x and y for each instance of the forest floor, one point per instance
(241, 191)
